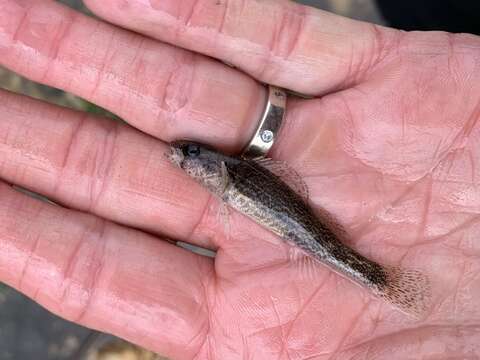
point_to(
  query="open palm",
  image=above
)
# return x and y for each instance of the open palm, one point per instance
(392, 152)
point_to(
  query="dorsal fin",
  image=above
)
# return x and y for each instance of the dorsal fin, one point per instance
(333, 224)
(287, 174)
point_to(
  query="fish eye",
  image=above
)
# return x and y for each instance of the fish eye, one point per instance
(191, 150)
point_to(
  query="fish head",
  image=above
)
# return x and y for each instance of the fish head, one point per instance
(200, 162)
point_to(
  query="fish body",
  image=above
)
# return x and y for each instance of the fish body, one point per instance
(251, 188)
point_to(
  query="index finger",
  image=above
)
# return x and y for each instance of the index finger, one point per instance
(278, 42)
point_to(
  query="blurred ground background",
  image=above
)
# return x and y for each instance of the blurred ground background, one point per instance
(27, 331)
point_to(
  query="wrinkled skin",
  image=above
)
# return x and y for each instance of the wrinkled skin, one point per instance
(390, 145)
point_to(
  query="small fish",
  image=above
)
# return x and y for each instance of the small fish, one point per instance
(254, 187)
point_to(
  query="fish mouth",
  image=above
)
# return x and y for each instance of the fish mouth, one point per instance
(175, 155)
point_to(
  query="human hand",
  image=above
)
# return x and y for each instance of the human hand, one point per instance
(392, 152)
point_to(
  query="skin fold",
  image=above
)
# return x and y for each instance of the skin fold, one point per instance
(389, 145)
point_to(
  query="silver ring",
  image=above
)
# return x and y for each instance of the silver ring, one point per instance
(269, 125)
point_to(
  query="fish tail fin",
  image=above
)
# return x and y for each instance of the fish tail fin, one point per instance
(407, 289)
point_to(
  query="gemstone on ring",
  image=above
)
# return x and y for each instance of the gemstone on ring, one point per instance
(267, 136)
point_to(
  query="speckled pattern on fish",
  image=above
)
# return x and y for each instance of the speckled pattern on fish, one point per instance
(249, 186)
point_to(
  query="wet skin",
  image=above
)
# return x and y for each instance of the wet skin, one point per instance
(392, 151)
(260, 189)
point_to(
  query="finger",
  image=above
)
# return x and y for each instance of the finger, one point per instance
(103, 167)
(278, 42)
(104, 276)
(162, 90)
